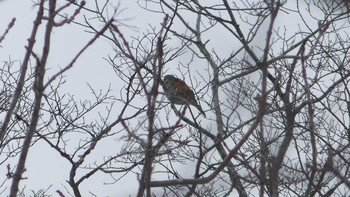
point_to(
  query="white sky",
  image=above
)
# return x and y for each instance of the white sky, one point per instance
(44, 168)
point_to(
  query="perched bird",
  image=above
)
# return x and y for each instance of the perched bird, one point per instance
(179, 93)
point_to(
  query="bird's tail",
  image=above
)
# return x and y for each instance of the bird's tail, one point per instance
(200, 109)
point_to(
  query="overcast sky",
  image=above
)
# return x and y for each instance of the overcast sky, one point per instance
(45, 168)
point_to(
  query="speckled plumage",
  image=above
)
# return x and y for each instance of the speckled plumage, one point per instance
(179, 93)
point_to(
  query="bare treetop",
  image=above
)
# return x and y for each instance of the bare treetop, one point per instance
(270, 78)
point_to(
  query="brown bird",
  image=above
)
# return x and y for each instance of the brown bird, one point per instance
(179, 93)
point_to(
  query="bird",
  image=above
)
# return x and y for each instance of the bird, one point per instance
(178, 92)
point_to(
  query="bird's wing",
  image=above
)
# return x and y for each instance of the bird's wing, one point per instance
(183, 89)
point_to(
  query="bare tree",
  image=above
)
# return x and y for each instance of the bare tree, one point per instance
(272, 77)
